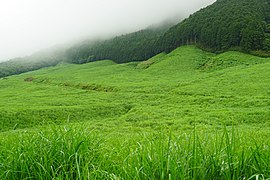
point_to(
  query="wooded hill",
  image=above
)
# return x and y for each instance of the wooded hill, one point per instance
(227, 24)
(242, 24)
(135, 46)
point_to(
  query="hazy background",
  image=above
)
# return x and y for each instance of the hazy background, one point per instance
(27, 26)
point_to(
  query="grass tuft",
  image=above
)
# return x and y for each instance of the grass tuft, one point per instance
(76, 152)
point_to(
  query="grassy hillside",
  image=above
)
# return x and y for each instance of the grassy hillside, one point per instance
(188, 114)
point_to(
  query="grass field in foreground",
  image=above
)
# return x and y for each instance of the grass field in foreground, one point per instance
(184, 115)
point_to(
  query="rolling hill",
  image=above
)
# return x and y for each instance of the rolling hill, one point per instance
(187, 78)
(242, 25)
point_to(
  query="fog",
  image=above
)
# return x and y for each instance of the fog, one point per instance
(31, 25)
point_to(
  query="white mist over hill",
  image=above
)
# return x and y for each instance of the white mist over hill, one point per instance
(30, 25)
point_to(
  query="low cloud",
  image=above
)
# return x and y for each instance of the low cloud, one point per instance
(30, 25)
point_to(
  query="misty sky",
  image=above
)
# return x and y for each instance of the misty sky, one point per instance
(27, 26)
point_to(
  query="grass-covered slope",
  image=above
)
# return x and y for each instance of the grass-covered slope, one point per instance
(162, 88)
(112, 121)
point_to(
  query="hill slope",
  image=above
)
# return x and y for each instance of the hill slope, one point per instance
(232, 85)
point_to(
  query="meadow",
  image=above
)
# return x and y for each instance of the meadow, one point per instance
(188, 114)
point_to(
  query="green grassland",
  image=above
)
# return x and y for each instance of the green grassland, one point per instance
(188, 114)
